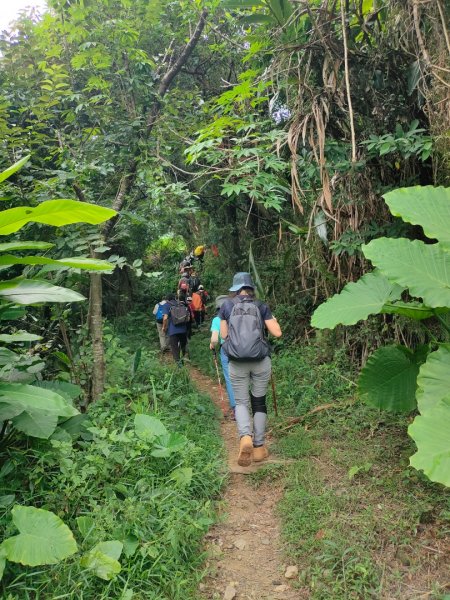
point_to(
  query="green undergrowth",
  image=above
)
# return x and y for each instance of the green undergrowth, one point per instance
(107, 486)
(355, 516)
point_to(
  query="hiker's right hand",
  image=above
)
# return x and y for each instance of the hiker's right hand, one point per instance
(212, 346)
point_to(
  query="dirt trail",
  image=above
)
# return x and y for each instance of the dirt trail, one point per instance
(246, 561)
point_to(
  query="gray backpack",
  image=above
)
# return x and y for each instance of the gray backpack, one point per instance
(245, 340)
(179, 313)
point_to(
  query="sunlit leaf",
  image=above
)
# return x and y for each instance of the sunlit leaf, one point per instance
(13, 246)
(76, 262)
(35, 291)
(14, 168)
(426, 206)
(356, 301)
(43, 539)
(431, 432)
(103, 559)
(433, 380)
(19, 336)
(423, 268)
(53, 212)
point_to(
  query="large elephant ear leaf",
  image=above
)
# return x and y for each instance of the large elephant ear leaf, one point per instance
(433, 380)
(356, 301)
(43, 539)
(389, 379)
(423, 268)
(427, 206)
(431, 432)
(148, 428)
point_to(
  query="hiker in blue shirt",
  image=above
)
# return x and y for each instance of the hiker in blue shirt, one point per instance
(158, 312)
(215, 340)
(176, 317)
(243, 321)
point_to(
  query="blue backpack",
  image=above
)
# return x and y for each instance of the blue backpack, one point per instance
(159, 313)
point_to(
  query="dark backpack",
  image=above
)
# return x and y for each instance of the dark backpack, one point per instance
(194, 282)
(245, 340)
(179, 314)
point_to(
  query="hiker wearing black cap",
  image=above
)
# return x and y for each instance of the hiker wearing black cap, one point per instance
(243, 320)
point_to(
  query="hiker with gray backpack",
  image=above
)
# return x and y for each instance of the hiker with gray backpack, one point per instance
(243, 321)
(176, 318)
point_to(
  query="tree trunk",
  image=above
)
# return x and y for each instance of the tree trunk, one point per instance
(126, 184)
(235, 245)
(96, 329)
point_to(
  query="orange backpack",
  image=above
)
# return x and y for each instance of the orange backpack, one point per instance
(197, 303)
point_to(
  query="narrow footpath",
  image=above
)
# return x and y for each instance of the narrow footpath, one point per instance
(245, 558)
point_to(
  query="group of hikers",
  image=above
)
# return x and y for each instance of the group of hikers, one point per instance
(238, 329)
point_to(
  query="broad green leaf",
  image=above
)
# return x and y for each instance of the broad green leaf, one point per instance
(86, 525)
(13, 168)
(102, 559)
(356, 301)
(413, 310)
(168, 444)
(73, 426)
(130, 545)
(9, 411)
(427, 206)
(91, 264)
(36, 423)
(32, 398)
(423, 268)
(389, 379)
(433, 381)
(431, 432)
(161, 452)
(13, 246)
(35, 291)
(7, 499)
(11, 313)
(67, 390)
(182, 476)
(148, 428)
(53, 212)
(8, 356)
(43, 539)
(2, 562)
(19, 336)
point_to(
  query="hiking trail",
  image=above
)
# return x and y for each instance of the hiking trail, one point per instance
(245, 557)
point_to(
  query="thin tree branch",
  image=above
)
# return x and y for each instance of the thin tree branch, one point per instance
(174, 70)
(444, 27)
(347, 83)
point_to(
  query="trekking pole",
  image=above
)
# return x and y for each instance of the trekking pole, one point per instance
(222, 399)
(274, 394)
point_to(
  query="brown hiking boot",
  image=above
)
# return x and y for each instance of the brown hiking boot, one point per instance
(260, 453)
(245, 451)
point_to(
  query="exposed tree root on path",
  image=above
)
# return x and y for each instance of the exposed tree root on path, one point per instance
(245, 552)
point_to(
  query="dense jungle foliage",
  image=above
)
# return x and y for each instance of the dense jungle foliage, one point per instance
(306, 141)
